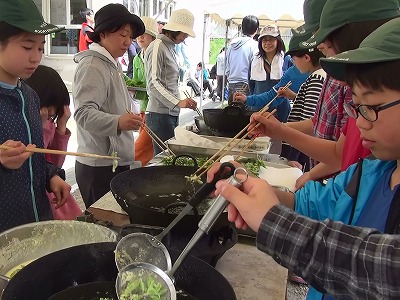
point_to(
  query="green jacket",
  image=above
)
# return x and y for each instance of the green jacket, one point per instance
(139, 75)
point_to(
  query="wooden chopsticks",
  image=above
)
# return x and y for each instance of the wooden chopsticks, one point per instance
(218, 153)
(231, 147)
(197, 109)
(160, 143)
(59, 152)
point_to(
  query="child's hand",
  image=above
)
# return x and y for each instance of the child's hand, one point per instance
(288, 93)
(250, 203)
(60, 189)
(44, 114)
(302, 180)
(62, 121)
(295, 164)
(240, 97)
(14, 158)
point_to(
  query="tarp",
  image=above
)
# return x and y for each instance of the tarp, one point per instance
(221, 11)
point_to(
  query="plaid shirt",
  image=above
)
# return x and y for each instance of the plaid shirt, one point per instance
(329, 116)
(345, 261)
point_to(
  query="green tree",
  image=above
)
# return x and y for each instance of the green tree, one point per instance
(216, 44)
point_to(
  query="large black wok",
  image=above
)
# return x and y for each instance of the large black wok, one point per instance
(155, 195)
(84, 264)
(228, 121)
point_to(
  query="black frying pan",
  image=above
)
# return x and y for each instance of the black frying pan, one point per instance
(155, 195)
(88, 291)
(84, 264)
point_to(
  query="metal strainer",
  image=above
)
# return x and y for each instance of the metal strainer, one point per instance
(143, 247)
(133, 277)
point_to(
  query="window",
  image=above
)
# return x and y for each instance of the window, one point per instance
(65, 13)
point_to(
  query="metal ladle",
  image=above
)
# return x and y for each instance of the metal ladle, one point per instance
(143, 247)
(145, 272)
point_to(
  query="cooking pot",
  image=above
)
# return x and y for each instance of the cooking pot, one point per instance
(155, 195)
(228, 121)
(90, 263)
(201, 126)
(28, 242)
(210, 248)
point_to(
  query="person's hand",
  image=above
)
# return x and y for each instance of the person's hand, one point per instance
(288, 93)
(188, 103)
(295, 164)
(62, 121)
(44, 114)
(249, 207)
(302, 180)
(239, 97)
(14, 158)
(129, 121)
(268, 126)
(249, 204)
(60, 189)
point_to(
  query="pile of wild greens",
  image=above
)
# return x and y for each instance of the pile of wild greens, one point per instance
(134, 83)
(143, 288)
(251, 164)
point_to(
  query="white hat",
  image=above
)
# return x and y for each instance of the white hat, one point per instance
(150, 26)
(181, 20)
(270, 29)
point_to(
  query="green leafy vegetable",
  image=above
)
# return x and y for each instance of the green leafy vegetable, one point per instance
(142, 287)
(134, 83)
(251, 164)
(185, 161)
(115, 161)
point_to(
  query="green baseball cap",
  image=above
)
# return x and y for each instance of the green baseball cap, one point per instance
(381, 45)
(24, 15)
(299, 35)
(312, 13)
(337, 13)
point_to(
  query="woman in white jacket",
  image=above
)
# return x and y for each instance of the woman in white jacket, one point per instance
(266, 66)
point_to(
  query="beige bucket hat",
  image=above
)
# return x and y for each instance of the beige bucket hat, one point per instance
(150, 26)
(181, 20)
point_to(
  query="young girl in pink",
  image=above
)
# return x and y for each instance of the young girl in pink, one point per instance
(55, 112)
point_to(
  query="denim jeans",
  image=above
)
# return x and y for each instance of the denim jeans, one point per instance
(163, 126)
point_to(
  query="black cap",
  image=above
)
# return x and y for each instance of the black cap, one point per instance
(114, 15)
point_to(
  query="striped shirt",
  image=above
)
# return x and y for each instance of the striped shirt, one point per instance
(345, 261)
(304, 106)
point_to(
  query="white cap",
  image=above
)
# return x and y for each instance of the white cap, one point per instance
(270, 29)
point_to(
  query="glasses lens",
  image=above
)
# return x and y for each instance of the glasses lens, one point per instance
(350, 110)
(368, 113)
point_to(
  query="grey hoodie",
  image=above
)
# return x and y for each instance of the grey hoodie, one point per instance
(100, 98)
(239, 57)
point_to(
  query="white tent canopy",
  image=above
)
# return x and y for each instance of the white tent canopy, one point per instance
(286, 14)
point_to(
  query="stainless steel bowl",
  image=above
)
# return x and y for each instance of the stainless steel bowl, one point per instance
(28, 242)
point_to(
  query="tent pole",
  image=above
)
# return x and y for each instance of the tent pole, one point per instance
(227, 24)
(202, 61)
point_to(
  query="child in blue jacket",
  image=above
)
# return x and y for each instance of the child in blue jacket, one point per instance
(24, 177)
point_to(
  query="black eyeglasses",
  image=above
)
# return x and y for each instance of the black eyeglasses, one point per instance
(368, 112)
